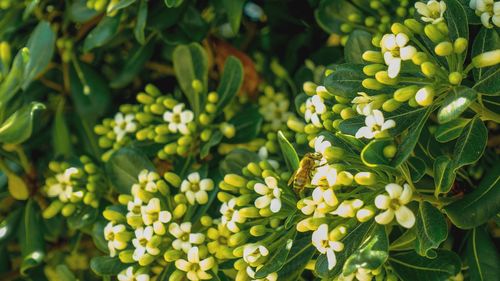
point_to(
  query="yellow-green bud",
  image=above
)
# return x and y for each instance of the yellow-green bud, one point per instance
(372, 84)
(309, 88)
(372, 69)
(390, 105)
(170, 148)
(144, 98)
(338, 107)
(383, 77)
(433, 33)
(249, 212)
(237, 239)
(197, 86)
(345, 178)
(323, 92)
(295, 125)
(404, 94)
(157, 108)
(442, 27)
(210, 108)
(419, 58)
(347, 113)
(5, 54)
(68, 210)
(365, 178)
(399, 28)
(414, 26)
(225, 186)
(17, 187)
(365, 214)
(487, 59)
(235, 180)
(205, 135)
(338, 233)
(179, 211)
(224, 196)
(172, 179)
(228, 130)
(342, 99)
(354, 17)
(455, 78)
(213, 97)
(53, 209)
(370, 21)
(204, 119)
(333, 153)
(258, 230)
(185, 140)
(428, 69)
(172, 255)
(425, 96)
(443, 49)
(389, 151)
(373, 56)
(460, 45)
(152, 90)
(346, 28)
(126, 256)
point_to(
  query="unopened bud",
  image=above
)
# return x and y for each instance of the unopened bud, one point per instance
(390, 105)
(228, 130)
(365, 178)
(444, 49)
(383, 77)
(372, 69)
(172, 179)
(372, 84)
(197, 86)
(487, 59)
(399, 28)
(345, 178)
(373, 56)
(425, 96)
(389, 151)
(455, 78)
(309, 88)
(460, 45)
(414, 26)
(419, 58)
(428, 69)
(433, 33)
(365, 214)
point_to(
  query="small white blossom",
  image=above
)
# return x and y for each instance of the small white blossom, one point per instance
(322, 242)
(314, 108)
(117, 237)
(348, 208)
(129, 275)
(231, 217)
(253, 252)
(320, 203)
(196, 189)
(178, 119)
(142, 243)
(274, 109)
(320, 144)
(487, 9)
(153, 215)
(124, 124)
(147, 181)
(396, 49)
(394, 205)
(184, 238)
(270, 195)
(376, 126)
(63, 188)
(324, 175)
(251, 273)
(195, 267)
(432, 11)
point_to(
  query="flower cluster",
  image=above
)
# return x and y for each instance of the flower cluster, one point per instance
(73, 188)
(154, 227)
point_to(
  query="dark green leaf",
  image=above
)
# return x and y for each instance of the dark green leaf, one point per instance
(451, 130)
(11, 84)
(289, 153)
(431, 229)
(8, 225)
(417, 168)
(236, 160)
(105, 265)
(102, 33)
(41, 48)
(133, 65)
(490, 82)
(247, 124)
(300, 254)
(83, 217)
(331, 13)
(278, 258)
(214, 140)
(482, 256)
(404, 242)
(193, 25)
(444, 174)
(486, 40)
(372, 254)
(98, 235)
(19, 126)
(124, 166)
(79, 12)
(457, 101)
(118, 5)
(140, 25)
(61, 136)
(359, 41)
(409, 266)
(231, 81)
(31, 238)
(471, 143)
(479, 206)
(372, 154)
(64, 273)
(173, 3)
(234, 10)
(456, 17)
(345, 80)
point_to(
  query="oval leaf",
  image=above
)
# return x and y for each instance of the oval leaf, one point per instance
(431, 229)
(457, 101)
(124, 166)
(19, 126)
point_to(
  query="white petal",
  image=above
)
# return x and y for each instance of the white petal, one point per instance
(388, 124)
(275, 205)
(394, 190)
(405, 217)
(394, 68)
(402, 39)
(385, 217)
(407, 53)
(406, 196)
(382, 201)
(271, 182)
(332, 260)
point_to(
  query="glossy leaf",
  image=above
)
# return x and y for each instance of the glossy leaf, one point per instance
(451, 130)
(247, 124)
(173, 3)
(456, 17)
(372, 154)
(479, 206)
(9, 225)
(31, 238)
(431, 229)
(471, 143)
(409, 266)
(191, 63)
(106, 266)
(301, 252)
(236, 160)
(490, 82)
(19, 126)
(482, 256)
(230, 83)
(404, 242)
(359, 41)
(11, 84)
(234, 10)
(61, 136)
(372, 254)
(140, 25)
(79, 12)
(215, 139)
(345, 80)
(331, 13)
(83, 217)
(278, 258)
(64, 273)
(133, 65)
(457, 101)
(417, 168)
(124, 166)
(41, 48)
(289, 153)
(444, 174)
(102, 33)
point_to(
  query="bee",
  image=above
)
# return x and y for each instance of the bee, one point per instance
(302, 176)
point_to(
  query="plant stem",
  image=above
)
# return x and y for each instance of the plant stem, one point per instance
(485, 113)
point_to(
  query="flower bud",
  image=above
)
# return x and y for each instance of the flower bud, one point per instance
(204, 119)
(372, 69)
(370, 21)
(460, 45)
(258, 230)
(53, 209)
(365, 214)
(172, 255)
(346, 28)
(197, 86)
(372, 84)
(347, 113)
(144, 98)
(365, 178)
(333, 153)
(68, 210)
(399, 28)
(443, 49)
(338, 233)
(428, 69)
(213, 97)
(179, 211)
(425, 96)
(152, 90)
(225, 186)
(487, 59)
(455, 78)
(383, 77)
(390, 105)
(443, 28)
(228, 130)
(17, 187)
(433, 33)
(309, 88)
(172, 179)
(235, 180)
(373, 56)
(5, 54)
(254, 169)
(237, 239)
(389, 151)
(419, 58)
(206, 221)
(344, 178)
(295, 125)
(250, 212)
(126, 256)
(414, 26)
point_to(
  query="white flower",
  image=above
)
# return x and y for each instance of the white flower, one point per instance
(195, 268)
(253, 252)
(314, 108)
(271, 194)
(117, 237)
(196, 189)
(264, 155)
(321, 202)
(325, 175)
(487, 9)
(365, 104)
(274, 109)
(184, 238)
(394, 204)
(178, 119)
(431, 12)
(124, 124)
(251, 273)
(376, 126)
(142, 243)
(320, 144)
(231, 216)
(147, 181)
(326, 246)
(129, 275)
(63, 188)
(395, 49)
(153, 215)
(348, 208)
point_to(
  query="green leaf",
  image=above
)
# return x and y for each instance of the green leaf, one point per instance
(289, 153)
(277, 260)
(11, 84)
(134, 65)
(231, 81)
(234, 10)
(102, 33)
(404, 242)
(124, 166)
(31, 238)
(247, 124)
(409, 266)
(431, 229)
(173, 3)
(140, 25)
(486, 40)
(19, 126)
(451, 130)
(444, 174)
(107, 266)
(372, 154)
(193, 24)
(480, 205)
(417, 168)
(9, 225)
(64, 273)
(302, 251)
(489, 84)
(214, 140)
(61, 136)
(345, 80)
(331, 13)
(408, 144)
(457, 101)
(83, 217)
(41, 48)
(118, 5)
(359, 41)
(79, 12)
(372, 254)
(482, 256)
(236, 160)
(191, 63)
(98, 235)
(471, 143)
(456, 17)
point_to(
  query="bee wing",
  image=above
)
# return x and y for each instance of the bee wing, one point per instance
(292, 178)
